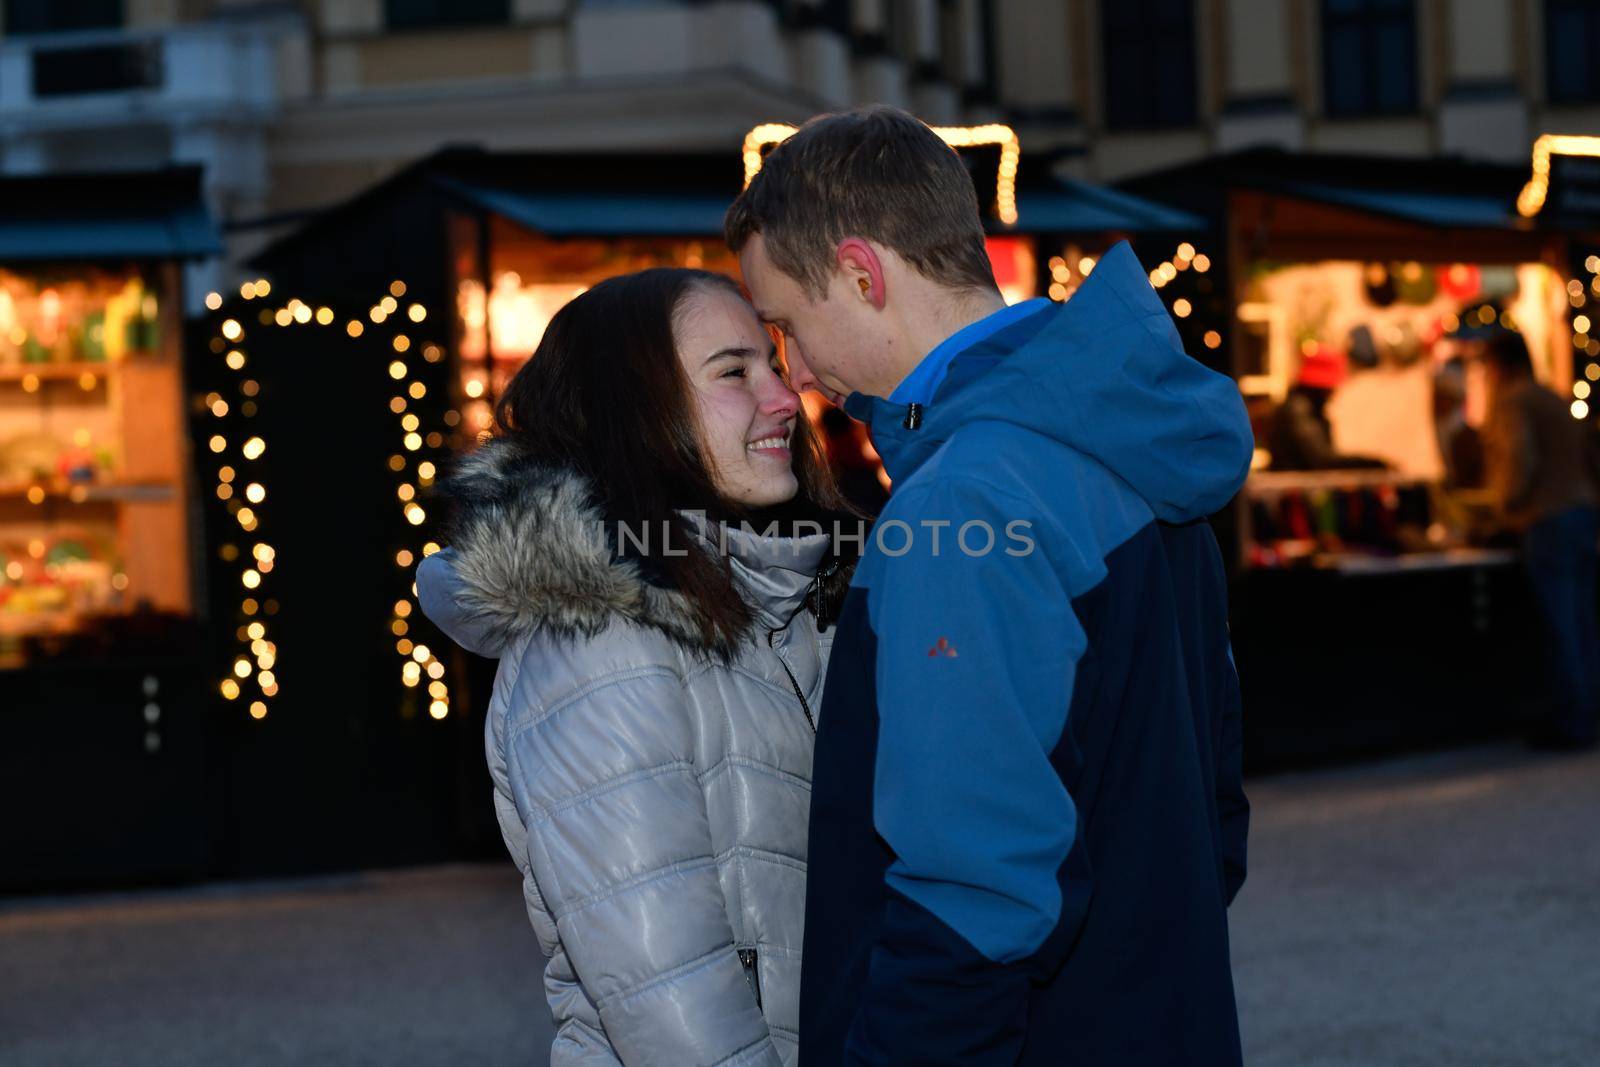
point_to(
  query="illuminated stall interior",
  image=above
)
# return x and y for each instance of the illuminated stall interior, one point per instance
(94, 492)
(530, 276)
(1391, 344)
(1356, 287)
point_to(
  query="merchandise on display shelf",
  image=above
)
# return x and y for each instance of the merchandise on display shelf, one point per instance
(1376, 360)
(92, 451)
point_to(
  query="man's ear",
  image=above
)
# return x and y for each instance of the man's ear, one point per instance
(860, 263)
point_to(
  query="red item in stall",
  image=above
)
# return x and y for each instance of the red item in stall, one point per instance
(1324, 368)
(1460, 281)
(1354, 514)
(1296, 516)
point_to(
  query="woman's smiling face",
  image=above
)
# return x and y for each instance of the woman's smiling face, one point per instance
(746, 410)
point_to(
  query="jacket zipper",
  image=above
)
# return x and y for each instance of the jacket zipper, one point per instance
(816, 589)
(772, 636)
(747, 957)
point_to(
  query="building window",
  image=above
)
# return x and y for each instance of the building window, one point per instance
(1572, 37)
(1369, 57)
(1149, 56)
(806, 14)
(425, 14)
(52, 16)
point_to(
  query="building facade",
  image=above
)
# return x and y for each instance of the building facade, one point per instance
(1138, 85)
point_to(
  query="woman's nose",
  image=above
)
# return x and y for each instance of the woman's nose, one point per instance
(780, 399)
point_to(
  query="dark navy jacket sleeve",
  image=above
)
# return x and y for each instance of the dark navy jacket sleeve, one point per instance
(1233, 807)
(977, 656)
(1200, 602)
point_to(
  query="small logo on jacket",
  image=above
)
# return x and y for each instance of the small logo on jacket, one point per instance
(943, 648)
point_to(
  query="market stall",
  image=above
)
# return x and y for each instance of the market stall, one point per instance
(1377, 601)
(99, 647)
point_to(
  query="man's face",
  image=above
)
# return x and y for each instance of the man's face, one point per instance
(824, 339)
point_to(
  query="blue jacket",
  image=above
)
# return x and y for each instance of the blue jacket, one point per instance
(1026, 816)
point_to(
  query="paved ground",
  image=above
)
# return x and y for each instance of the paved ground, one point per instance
(433, 966)
(1443, 910)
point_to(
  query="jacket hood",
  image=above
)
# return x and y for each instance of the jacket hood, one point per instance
(530, 550)
(1106, 374)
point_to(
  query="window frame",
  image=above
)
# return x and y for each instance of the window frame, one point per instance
(445, 14)
(1136, 38)
(1368, 26)
(40, 16)
(1589, 37)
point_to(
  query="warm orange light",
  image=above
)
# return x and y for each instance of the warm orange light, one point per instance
(1005, 199)
(1532, 198)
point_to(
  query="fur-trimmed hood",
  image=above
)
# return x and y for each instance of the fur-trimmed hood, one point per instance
(530, 550)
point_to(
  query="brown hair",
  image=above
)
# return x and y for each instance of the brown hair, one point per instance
(605, 395)
(876, 173)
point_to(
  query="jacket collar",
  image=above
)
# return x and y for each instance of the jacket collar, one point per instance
(774, 573)
(1104, 374)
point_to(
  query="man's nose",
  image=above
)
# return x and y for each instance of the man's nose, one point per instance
(800, 376)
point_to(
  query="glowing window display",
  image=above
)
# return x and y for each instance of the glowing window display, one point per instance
(92, 519)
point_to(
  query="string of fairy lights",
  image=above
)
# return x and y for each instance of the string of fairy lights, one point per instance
(1000, 136)
(252, 676)
(1585, 335)
(413, 474)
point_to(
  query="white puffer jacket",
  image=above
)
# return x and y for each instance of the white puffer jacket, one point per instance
(655, 797)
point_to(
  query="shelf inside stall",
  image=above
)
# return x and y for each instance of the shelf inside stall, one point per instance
(89, 493)
(73, 371)
(93, 487)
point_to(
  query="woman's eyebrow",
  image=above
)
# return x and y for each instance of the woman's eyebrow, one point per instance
(733, 352)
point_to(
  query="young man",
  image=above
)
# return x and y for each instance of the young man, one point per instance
(1026, 818)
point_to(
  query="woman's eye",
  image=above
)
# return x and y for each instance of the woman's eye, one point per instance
(736, 372)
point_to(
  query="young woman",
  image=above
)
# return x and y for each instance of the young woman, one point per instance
(661, 664)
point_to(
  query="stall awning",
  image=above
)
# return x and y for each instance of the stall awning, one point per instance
(611, 213)
(128, 215)
(1063, 207)
(1068, 206)
(1438, 192)
(1428, 208)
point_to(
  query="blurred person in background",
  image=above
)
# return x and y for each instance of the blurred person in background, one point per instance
(1541, 471)
(1300, 436)
(651, 727)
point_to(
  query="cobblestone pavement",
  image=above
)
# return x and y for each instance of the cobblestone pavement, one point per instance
(1435, 910)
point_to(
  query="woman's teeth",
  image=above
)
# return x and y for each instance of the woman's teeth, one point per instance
(769, 443)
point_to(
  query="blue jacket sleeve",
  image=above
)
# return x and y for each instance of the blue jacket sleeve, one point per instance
(977, 654)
